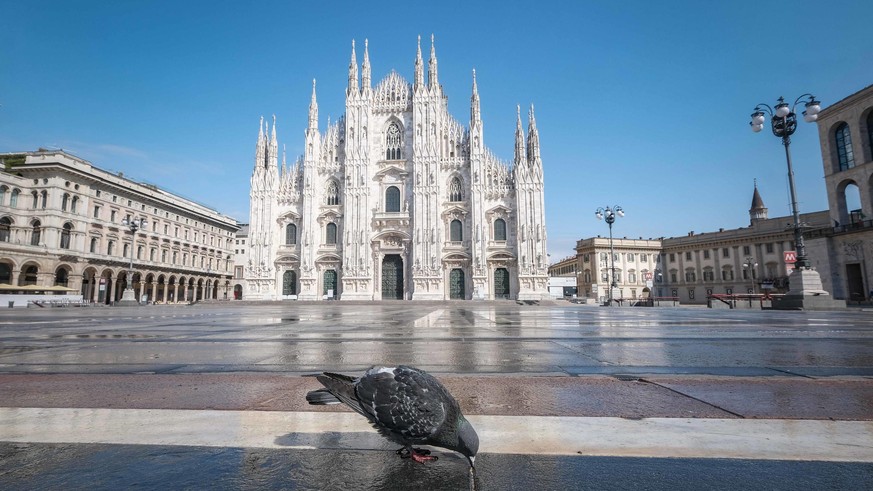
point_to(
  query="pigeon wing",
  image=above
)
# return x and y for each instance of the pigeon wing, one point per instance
(403, 401)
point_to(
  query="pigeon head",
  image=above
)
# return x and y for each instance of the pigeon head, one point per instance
(468, 440)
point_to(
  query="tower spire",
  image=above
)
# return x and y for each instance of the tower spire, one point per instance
(432, 79)
(419, 66)
(313, 109)
(520, 157)
(353, 70)
(475, 114)
(365, 69)
(758, 211)
(533, 137)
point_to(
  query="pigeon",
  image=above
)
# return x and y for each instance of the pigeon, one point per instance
(405, 405)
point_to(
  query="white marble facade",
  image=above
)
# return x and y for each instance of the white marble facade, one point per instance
(397, 200)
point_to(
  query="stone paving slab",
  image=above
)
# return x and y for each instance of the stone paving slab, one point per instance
(832, 398)
(687, 396)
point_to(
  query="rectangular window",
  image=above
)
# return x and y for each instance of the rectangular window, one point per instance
(672, 257)
(687, 255)
(769, 247)
(747, 250)
(708, 276)
(112, 216)
(630, 257)
(644, 257)
(96, 211)
(725, 252)
(706, 254)
(585, 257)
(673, 277)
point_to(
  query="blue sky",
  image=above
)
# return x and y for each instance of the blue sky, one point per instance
(638, 103)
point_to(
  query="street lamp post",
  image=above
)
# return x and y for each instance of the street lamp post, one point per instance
(129, 296)
(783, 121)
(750, 266)
(609, 214)
(806, 290)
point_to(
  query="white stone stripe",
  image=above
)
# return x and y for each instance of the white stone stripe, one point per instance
(769, 439)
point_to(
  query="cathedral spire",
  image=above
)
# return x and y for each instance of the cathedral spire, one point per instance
(520, 157)
(353, 70)
(419, 66)
(261, 147)
(365, 69)
(313, 110)
(432, 79)
(533, 137)
(475, 114)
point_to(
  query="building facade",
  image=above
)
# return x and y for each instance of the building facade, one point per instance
(631, 263)
(692, 267)
(846, 137)
(397, 200)
(240, 259)
(61, 225)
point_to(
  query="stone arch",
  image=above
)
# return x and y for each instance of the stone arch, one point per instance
(848, 201)
(29, 273)
(62, 275)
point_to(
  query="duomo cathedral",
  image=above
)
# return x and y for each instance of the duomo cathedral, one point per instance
(397, 200)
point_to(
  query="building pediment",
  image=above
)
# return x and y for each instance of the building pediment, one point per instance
(288, 216)
(498, 211)
(391, 171)
(454, 212)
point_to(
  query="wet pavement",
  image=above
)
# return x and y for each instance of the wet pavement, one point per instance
(719, 369)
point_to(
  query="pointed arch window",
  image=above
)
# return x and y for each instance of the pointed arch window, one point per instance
(3, 190)
(392, 199)
(65, 236)
(393, 142)
(330, 233)
(36, 233)
(44, 199)
(65, 200)
(500, 229)
(844, 147)
(73, 204)
(5, 229)
(35, 200)
(13, 198)
(290, 234)
(456, 231)
(456, 193)
(332, 194)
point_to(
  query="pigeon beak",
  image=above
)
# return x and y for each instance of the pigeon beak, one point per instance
(472, 461)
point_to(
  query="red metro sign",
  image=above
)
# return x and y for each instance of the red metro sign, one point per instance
(790, 257)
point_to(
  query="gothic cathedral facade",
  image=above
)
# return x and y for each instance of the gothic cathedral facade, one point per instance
(397, 200)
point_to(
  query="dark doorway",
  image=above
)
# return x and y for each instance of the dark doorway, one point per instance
(392, 277)
(289, 283)
(456, 285)
(501, 283)
(855, 282)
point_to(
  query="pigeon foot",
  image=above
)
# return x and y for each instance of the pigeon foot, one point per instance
(420, 455)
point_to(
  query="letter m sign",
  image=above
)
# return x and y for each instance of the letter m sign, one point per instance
(790, 257)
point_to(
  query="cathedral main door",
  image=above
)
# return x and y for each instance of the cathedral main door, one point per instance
(501, 283)
(392, 277)
(456, 284)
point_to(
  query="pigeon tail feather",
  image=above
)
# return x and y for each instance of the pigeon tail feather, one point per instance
(321, 397)
(343, 388)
